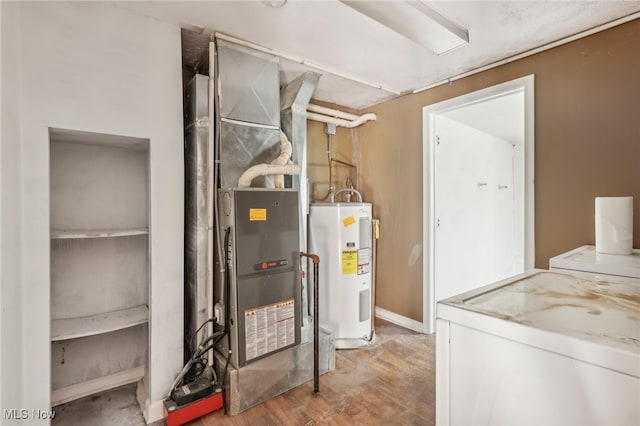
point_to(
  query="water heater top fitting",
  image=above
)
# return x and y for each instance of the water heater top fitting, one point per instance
(333, 195)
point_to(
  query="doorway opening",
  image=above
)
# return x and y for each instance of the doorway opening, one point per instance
(478, 199)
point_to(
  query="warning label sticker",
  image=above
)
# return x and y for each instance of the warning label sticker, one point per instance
(349, 262)
(347, 221)
(364, 261)
(268, 328)
(257, 215)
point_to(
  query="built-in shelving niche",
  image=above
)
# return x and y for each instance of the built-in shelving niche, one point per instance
(99, 206)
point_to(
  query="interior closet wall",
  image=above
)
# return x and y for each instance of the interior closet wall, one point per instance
(343, 149)
(10, 212)
(88, 67)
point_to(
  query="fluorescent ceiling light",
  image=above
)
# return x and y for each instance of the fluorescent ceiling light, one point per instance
(415, 20)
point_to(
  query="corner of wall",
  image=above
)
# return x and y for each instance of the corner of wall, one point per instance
(64, 93)
(11, 351)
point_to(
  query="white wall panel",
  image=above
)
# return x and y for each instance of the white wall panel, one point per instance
(94, 67)
(11, 208)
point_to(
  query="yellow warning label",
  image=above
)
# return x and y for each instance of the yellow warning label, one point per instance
(349, 262)
(257, 215)
(348, 221)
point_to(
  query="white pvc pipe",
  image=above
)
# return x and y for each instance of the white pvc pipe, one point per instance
(339, 191)
(363, 119)
(266, 170)
(339, 121)
(283, 158)
(332, 112)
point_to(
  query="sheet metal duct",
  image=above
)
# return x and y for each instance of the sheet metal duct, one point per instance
(278, 373)
(243, 146)
(198, 208)
(294, 99)
(248, 103)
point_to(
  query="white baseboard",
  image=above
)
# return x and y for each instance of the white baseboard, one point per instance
(155, 412)
(400, 320)
(151, 411)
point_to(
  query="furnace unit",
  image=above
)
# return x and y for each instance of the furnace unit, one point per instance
(261, 283)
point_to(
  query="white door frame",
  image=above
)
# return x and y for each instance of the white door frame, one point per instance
(525, 84)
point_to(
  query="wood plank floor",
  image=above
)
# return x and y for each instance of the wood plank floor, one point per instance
(392, 383)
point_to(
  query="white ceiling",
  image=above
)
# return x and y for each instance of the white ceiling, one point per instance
(502, 116)
(335, 36)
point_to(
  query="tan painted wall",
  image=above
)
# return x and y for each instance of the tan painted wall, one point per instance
(317, 161)
(587, 136)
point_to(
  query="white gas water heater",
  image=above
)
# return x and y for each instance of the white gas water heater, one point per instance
(340, 233)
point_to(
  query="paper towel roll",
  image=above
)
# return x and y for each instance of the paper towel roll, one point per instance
(614, 225)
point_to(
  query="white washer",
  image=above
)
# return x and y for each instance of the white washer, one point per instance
(541, 348)
(587, 259)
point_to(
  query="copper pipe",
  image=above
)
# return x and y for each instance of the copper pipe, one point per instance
(344, 163)
(314, 257)
(332, 160)
(329, 161)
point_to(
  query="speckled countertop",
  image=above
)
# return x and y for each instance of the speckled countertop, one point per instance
(607, 312)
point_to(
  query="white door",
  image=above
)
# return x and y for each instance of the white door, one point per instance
(476, 225)
(478, 190)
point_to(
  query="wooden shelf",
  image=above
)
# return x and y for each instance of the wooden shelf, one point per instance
(71, 328)
(96, 233)
(80, 390)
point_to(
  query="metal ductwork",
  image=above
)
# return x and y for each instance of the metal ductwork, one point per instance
(198, 205)
(294, 99)
(248, 95)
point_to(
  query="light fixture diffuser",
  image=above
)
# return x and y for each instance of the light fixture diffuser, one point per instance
(415, 20)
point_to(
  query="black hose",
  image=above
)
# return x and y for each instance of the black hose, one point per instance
(227, 278)
(192, 348)
(215, 337)
(227, 320)
(316, 332)
(195, 370)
